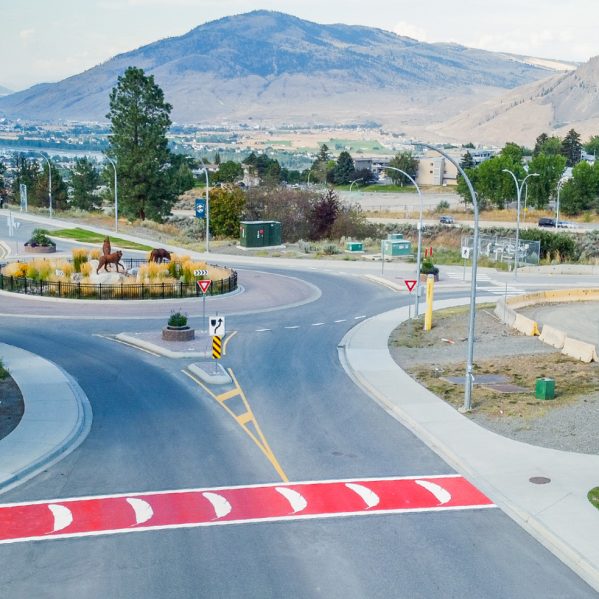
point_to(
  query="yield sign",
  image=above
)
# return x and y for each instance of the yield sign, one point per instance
(409, 284)
(203, 285)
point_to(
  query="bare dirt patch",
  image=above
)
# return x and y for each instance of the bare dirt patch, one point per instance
(11, 406)
(567, 422)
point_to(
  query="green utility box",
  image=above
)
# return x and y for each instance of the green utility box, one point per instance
(397, 247)
(395, 236)
(545, 388)
(259, 233)
(354, 246)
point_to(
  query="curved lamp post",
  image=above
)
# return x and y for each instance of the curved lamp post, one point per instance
(205, 170)
(49, 181)
(354, 181)
(469, 364)
(519, 195)
(419, 251)
(116, 196)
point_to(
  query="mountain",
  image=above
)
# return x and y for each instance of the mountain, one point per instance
(553, 105)
(4, 91)
(274, 67)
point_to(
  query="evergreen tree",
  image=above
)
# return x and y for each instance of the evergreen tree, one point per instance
(60, 193)
(27, 172)
(467, 161)
(229, 172)
(321, 166)
(572, 148)
(344, 171)
(84, 181)
(140, 119)
(3, 189)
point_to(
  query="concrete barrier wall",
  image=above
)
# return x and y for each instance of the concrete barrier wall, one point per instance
(506, 312)
(552, 336)
(525, 325)
(580, 350)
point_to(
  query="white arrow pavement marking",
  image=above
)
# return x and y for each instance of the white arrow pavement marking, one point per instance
(370, 497)
(221, 506)
(442, 495)
(295, 499)
(62, 516)
(143, 510)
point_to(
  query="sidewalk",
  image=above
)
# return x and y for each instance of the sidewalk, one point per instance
(57, 417)
(557, 514)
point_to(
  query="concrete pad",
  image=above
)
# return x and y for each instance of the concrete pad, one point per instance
(210, 372)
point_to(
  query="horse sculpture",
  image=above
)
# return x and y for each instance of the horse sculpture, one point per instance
(106, 249)
(159, 255)
(114, 258)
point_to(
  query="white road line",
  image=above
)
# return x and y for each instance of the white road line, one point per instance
(370, 497)
(143, 510)
(62, 516)
(442, 495)
(317, 324)
(295, 326)
(359, 317)
(296, 500)
(221, 506)
(342, 320)
(261, 330)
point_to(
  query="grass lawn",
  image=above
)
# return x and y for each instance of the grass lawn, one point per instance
(594, 497)
(91, 237)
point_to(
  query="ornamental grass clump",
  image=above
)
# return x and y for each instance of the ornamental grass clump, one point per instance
(79, 257)
(15, 269)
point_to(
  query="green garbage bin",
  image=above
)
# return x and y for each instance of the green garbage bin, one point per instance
(545, 388)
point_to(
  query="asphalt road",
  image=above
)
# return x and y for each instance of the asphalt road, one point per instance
(155, 429)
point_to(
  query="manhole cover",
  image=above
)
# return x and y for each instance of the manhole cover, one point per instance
(480, 379)
(506, 388)
(539, 480)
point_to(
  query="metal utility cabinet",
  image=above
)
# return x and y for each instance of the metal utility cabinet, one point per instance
(259, 233)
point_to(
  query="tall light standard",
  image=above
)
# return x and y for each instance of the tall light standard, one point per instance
(116, 195)
(205, 170)
(559, 187)
(469, 364)
(354, 181)
(49, 181)
(419, 251)
(519, 195)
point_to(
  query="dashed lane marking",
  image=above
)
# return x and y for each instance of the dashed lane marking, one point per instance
(317, 324)
(189, 508)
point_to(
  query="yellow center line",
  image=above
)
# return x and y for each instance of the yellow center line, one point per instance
(244, 419)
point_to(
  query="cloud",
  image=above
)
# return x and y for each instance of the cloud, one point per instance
(409, 30)
(26, 34)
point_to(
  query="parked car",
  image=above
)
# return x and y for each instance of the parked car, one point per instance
(564, 224)
(546, 222)
(446, 220)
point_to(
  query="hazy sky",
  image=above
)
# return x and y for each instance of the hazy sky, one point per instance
(48, 40)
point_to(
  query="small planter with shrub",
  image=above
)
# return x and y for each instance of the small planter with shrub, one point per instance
(177, 328)
(40, 243)
(428, 268)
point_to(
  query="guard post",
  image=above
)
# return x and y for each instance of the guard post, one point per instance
(428, 317)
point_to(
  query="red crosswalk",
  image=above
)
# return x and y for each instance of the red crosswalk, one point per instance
(112, 514)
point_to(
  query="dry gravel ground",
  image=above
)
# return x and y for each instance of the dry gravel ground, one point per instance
(11, 406)
(569, 422)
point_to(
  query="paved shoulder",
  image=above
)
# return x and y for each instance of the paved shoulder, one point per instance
(57, 417)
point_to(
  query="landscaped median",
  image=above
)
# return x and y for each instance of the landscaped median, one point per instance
(506, 310)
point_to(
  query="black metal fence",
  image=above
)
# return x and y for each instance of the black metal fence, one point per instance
(121, 291)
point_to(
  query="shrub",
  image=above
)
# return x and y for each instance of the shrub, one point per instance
(428, 268)
(177, 319)
(330, 249)
(3, 371)
(442, 205)
(40, 237)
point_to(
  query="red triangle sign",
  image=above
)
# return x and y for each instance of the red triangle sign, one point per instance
(409, 284)
(203, 285)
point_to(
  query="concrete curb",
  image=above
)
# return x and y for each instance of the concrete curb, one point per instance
(57, 417)
(558, 515)
(162, 351)
(221, 377)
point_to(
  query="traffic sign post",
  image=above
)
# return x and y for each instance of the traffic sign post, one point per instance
(216, 326)
(410, 284)
(217, 347)
(204, 284)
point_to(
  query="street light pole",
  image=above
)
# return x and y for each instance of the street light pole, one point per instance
(352, 182)
(519, 195)
(116, 196)
(469, 364)
(559, 186)
(49, 181)
(207, 212)
(419, 251)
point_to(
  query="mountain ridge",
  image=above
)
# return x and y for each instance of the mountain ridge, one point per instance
(268, 65)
